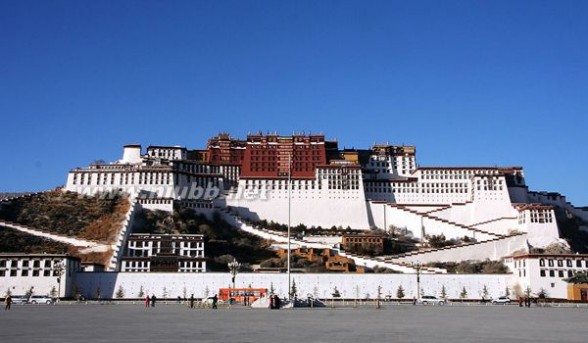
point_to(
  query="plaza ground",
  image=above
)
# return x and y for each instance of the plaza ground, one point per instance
(392, 323)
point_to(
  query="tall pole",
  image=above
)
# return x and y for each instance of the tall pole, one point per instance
(289, 210)
(385, 226)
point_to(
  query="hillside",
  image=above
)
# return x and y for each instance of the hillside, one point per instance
(12, 241)
(222, 241)
(95, 218)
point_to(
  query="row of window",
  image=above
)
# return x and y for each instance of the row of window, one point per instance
(560, 273)
(560, 263)
(29, 272)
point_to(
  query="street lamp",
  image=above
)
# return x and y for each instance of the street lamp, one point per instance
(58, 271)
(417, 266)
(233, 269)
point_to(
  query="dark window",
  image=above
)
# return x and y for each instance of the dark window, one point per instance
(552, 273)
(560, 263)
(561, 273)
(550, 262)
(542, 263)
(542, 273)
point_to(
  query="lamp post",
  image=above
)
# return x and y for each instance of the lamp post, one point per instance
(58, 271)
(417, 266)
(233, 269)
(289, 215)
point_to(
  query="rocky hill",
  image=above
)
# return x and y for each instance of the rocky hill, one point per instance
(222, 241)
(95, 218)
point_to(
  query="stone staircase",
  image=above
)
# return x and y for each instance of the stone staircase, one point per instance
(453, 248)
(457, 225)
(119, 246)
(282, 237)
(52, 236)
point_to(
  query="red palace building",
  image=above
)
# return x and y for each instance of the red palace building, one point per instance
(267, 156)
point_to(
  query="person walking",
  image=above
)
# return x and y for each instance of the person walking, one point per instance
(192, 301)
(153, 299)
(214, 301)
(8, 302)
(147, 301)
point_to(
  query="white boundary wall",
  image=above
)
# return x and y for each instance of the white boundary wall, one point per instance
(350, 286)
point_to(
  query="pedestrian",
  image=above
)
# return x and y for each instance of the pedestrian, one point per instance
(147, 301)
(414, 300)
(192, 301)
(153, 299)
(272, 301)
(214, 301)
(278, 302)
(8, 302)
(520, 301)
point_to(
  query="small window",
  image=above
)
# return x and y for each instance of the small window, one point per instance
(560, 263)
(552, 273)
(550, 262)
(579, 263)
(542, 263)
(24, 272)
(569, 263)
(561, 273)
(542, 272)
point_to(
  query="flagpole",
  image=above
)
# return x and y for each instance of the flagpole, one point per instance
(289, 208)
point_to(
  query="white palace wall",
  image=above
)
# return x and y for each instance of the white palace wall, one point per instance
(492, 249)
(361, 286)
(312, 207)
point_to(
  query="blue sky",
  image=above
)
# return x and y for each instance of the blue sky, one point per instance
(470, 83)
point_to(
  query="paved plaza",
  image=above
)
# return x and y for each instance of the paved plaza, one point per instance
(392, 323)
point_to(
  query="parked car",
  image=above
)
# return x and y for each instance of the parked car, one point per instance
(207, 302)
(19, 299)
(501, 300)
(40, 299)
(430, 299)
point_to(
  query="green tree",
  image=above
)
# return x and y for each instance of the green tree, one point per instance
(53, 292)
(464, 293)
(542, 294)
(443, 293)
(400, 292)
(485, 293)
(120, 292)
(293, 290)
(528, 292)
